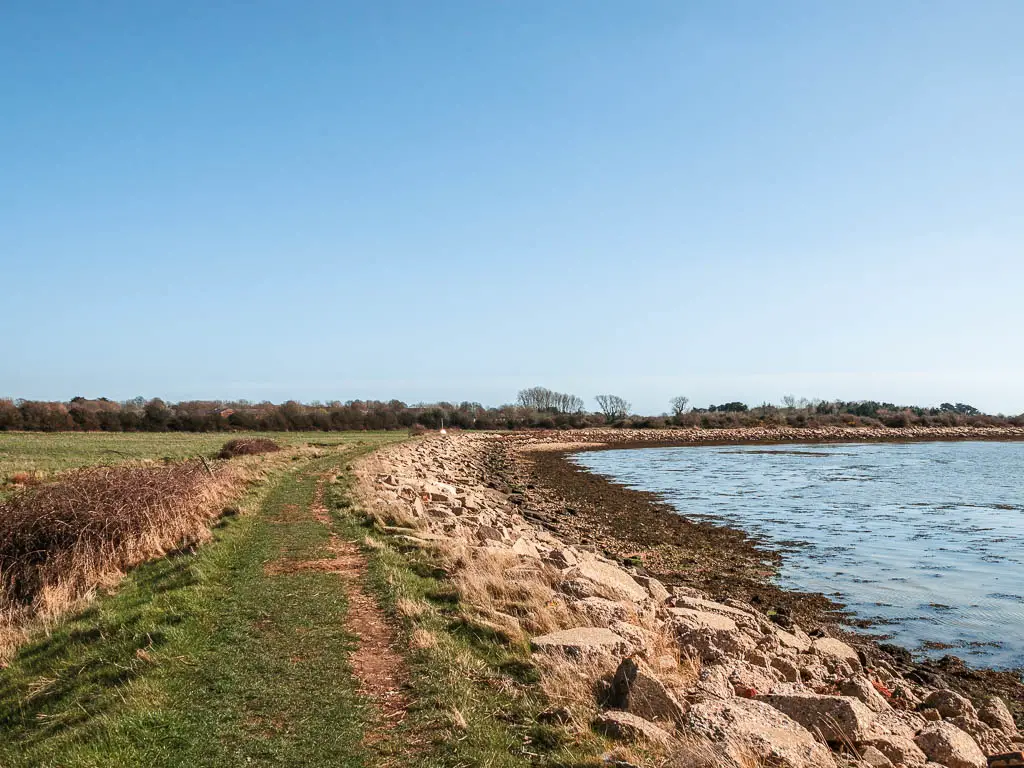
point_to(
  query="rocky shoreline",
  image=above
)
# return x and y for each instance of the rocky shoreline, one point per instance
(692, 651)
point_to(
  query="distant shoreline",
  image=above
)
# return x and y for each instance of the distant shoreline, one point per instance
(606, 438)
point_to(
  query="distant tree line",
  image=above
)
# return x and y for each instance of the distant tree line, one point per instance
(535, 408)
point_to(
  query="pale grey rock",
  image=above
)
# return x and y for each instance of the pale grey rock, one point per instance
(638, 639)
(636, 689)
(996, 714)
(612, 580)
(750, 725)
(601, 612)
(628, 727)
(525, 547)
(580, 641)
(991, 741)
(861, 689)
(834, 718)
(873, 757)
(657, 591)
(797, 640)
(901, 750)
(836, 652)
(707, 632)
(950, 704)
(947, 745)
(790, 671)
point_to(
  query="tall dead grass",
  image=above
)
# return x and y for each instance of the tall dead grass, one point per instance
(61, 541)
(516, 592)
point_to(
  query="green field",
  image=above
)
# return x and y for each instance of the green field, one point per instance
(57, 451)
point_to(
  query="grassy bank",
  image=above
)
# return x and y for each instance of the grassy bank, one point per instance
(239, 653)
(199, 658)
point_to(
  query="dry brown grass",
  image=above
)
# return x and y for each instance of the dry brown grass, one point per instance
(412, 609)
(694, 751)
(514, 591)
(577, 683)
(422, 638)
(26, 478)
(62, 541)
(678, 670)
(247, 446)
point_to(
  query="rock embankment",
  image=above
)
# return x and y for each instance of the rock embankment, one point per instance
(765, 434)
(696, 681)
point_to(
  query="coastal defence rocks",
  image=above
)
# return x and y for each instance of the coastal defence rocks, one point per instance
(680, 671)
(765, 434)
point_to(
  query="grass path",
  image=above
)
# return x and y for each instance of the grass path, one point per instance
(235, 655)
(302, 635)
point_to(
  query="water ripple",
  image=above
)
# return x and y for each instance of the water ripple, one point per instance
(925, 537)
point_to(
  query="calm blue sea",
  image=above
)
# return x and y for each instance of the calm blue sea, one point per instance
(925, 538)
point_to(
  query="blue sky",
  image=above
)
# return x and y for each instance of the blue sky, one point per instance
(324, 200)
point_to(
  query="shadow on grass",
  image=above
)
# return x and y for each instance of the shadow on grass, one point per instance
(66, 679)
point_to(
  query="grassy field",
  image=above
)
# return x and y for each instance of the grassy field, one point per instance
(48, 453)
(217, 656)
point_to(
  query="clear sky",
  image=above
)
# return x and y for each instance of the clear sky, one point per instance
(455, 200)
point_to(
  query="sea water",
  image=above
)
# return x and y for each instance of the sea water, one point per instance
(925, 539)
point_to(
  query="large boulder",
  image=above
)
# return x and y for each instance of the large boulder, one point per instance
(834, 718)
(525, 547)
(602, 612)
(996, 714)
(607, 580)
(638, 640)
(636, 689)
(710, 606)
(950, 704)
(796, 640)
(790, 671)
(708, 633)
(874, 758)
(657, 591)
(991, 741)
(946, 744)
(580, 641)
(861, 689)
(628, 727)
(745, 726)
(901, 750)
(836, 652)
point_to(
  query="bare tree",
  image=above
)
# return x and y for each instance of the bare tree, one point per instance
(566, 403)
(679, 405)
(536, 397)
(789, 401)
(613, 407)
(544, 399)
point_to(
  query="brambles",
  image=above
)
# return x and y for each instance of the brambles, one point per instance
(247, 446)
(63, 540)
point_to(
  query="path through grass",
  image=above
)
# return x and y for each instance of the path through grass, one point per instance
(242, 654)
(207, 659)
